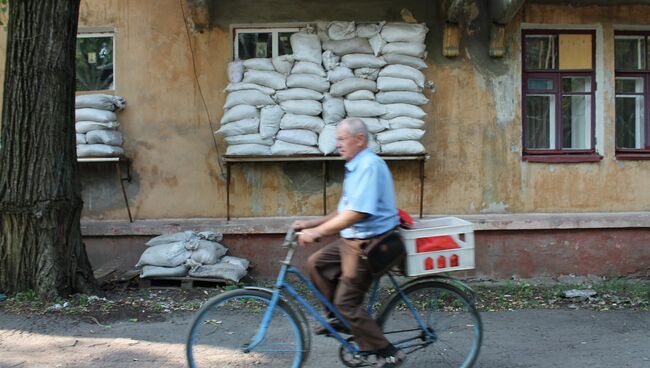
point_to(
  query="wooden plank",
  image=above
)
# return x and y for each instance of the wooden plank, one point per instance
(182, 282)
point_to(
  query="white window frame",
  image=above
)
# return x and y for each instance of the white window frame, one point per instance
(272, 30)
(101, 32)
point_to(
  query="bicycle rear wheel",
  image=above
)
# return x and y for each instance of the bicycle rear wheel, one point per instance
(454, 324)
(227, 324)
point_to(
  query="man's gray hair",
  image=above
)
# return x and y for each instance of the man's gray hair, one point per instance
(356, 126)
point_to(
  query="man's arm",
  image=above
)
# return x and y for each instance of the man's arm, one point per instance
(306, 224)
(331, 226)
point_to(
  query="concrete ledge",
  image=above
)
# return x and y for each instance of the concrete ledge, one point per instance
(279, 225)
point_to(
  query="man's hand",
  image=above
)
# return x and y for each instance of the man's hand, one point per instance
(299, 225)
(308, 236)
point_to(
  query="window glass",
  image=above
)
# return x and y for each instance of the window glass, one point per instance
(284, 45)
(629, 85)
(254, 45)
(94, 62)
(576, 84)
(541, 52)
(576, 122)
(629, 53)
(540, 121)
(541, 84)
(630, 127)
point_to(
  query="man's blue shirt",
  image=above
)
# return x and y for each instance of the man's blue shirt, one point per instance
(368, 188)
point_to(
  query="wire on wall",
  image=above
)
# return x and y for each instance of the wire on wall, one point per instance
(196, 78)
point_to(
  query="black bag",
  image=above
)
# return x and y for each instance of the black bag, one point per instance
(384, 252)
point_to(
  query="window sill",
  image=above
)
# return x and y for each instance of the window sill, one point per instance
(633, 156)
(562, 159)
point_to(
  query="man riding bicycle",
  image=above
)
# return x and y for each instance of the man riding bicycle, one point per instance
(366, 211)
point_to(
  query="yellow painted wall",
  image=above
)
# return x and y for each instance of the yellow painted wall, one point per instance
(473, 136)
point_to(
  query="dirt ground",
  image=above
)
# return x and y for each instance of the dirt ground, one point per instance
(517, 339)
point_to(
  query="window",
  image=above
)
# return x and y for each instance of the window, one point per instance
(94, 61)
(558, 96)
(631, 86)
(262, 42)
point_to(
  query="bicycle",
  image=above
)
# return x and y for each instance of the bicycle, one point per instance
(434, 314)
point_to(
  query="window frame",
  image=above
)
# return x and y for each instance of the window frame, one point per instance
(635, 153)
(558, 155)
(90, 33)
(274, 31)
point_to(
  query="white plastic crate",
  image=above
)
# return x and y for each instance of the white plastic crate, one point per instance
(460, 231)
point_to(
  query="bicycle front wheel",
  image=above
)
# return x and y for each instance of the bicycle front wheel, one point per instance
(224, 329)
(454, 329)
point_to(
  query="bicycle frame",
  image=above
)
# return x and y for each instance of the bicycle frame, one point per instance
(282, 284)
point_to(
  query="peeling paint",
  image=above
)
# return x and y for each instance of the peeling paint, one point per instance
(499, 207)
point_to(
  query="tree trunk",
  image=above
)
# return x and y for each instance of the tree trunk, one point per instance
(40, 199)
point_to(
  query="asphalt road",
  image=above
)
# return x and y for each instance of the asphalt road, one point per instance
(526, 338)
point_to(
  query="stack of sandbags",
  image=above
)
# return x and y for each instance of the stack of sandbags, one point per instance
(96, 125)
(400, 84)
(253, 82)
(301, 101)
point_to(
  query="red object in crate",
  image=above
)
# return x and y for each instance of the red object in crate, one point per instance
(434, 243)
(405, 220)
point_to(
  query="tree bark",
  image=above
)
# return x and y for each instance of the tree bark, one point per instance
(40, 192)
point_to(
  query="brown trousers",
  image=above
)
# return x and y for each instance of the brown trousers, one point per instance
(339, 272)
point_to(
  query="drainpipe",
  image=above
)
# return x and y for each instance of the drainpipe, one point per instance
(451, 32)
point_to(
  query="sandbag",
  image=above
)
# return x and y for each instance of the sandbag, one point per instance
(208, 252)
(341, 30)
(243, 86)
(157, 271)
(354, 61)
(333, 109)
(210, 235)
(404, 32)
(87, 126)
(401, 122)
(310, 81)
(235, 71)
(403, 71)
(361, 94)
(270, 117)
(269, 79)
(225, 271)
(97, 115)
(396, 135)
(246, 126)
(407, 60)
(248, 97)
(364, 108)
(282, 148)
(375, 125)
(298, 136)
(327, 139)
(239, 112)
(367, 73)
(330, 60)
(302, 107)
(357, 45)
(248, 149)
(369, 29)
(249, 139)
(388, 84)
(413, 98)
(339, 73)
(100, 101)
(298, 94)
(306, 47)
(350, 85)
(183, 236)
(241, 262)
(403, 147)
(400, 109)
(372, 144)
(307, 67)
(283, 63)
(259, 64)
(81, 138)
(291, 121)
(98, 150)
(110, 137)
(377, 44)
(404, 48)
(166, 255)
